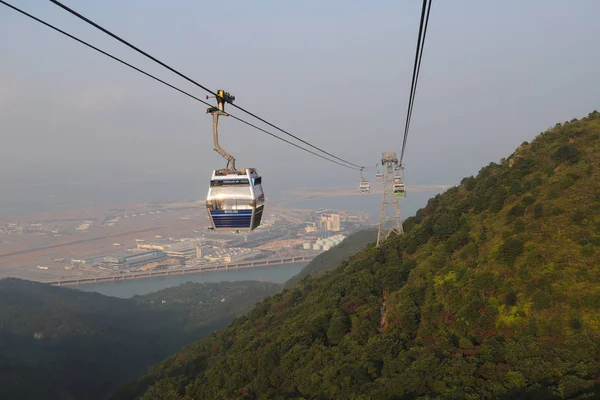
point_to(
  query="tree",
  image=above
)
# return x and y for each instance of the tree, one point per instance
(510, 250)
(338, 328)
(567, 153)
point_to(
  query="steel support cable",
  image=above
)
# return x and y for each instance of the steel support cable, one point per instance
(166, 83)
(425, 11)
(413, 83)
(412, 101)
(114, 36)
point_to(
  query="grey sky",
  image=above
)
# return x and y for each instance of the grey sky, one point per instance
(336, 73)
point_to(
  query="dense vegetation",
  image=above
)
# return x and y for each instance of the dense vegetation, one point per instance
(330, 259)
(493, 292)
(59, 343)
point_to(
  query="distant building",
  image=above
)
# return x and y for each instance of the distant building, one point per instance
(132, 261)
(325, 243)
(182, 250)
(88, 262)
(151, 246)
(311, 227)
(202, 250)
(232, 255)
(323, 223)
(83, 227)
(330, 222)
(333, 223)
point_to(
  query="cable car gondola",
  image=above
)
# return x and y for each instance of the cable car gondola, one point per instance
(235, 199)
(365, 186)
(399, 187)
(399, 190)
(378, 174)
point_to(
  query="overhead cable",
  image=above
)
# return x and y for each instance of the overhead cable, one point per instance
(114, 36)
(416, 70)
(166, 83)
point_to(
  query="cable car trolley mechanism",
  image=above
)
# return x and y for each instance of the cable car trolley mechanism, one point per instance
(235, 197)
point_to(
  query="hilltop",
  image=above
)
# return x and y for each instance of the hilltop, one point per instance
(493, 292)
(60, 343)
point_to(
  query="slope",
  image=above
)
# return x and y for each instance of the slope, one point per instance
(493, 292)
(330, 259)
(59, 343)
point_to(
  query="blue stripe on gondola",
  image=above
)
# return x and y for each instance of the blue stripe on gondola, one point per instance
(234, 220)
(231, 212)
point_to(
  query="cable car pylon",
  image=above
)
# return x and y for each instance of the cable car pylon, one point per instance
(389, 221)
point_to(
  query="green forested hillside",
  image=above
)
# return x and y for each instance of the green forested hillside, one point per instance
(59, 343)
(493, 292)
(332, 258)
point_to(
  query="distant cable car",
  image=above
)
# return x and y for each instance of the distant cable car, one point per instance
(378, 174)
(365, 186)
(235, 199)
(399, 187)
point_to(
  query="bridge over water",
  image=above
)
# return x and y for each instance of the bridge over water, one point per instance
(183, 271)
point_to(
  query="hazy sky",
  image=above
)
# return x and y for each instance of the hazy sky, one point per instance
(336, 73)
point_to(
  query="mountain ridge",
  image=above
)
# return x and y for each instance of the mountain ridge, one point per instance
(493, 292)
(62, 343)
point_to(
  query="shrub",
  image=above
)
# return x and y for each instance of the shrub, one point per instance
(469, 183)
(579, 217)
(588, 250)
(516, 188)
(567, 182)
(515, 212)
(528, 200)
(510, 249)
(483, 234)
(557, 211)
(519, 225)
(538, 211)
(523, 167)
(567, 153)
(510, 299)
(444, 226)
